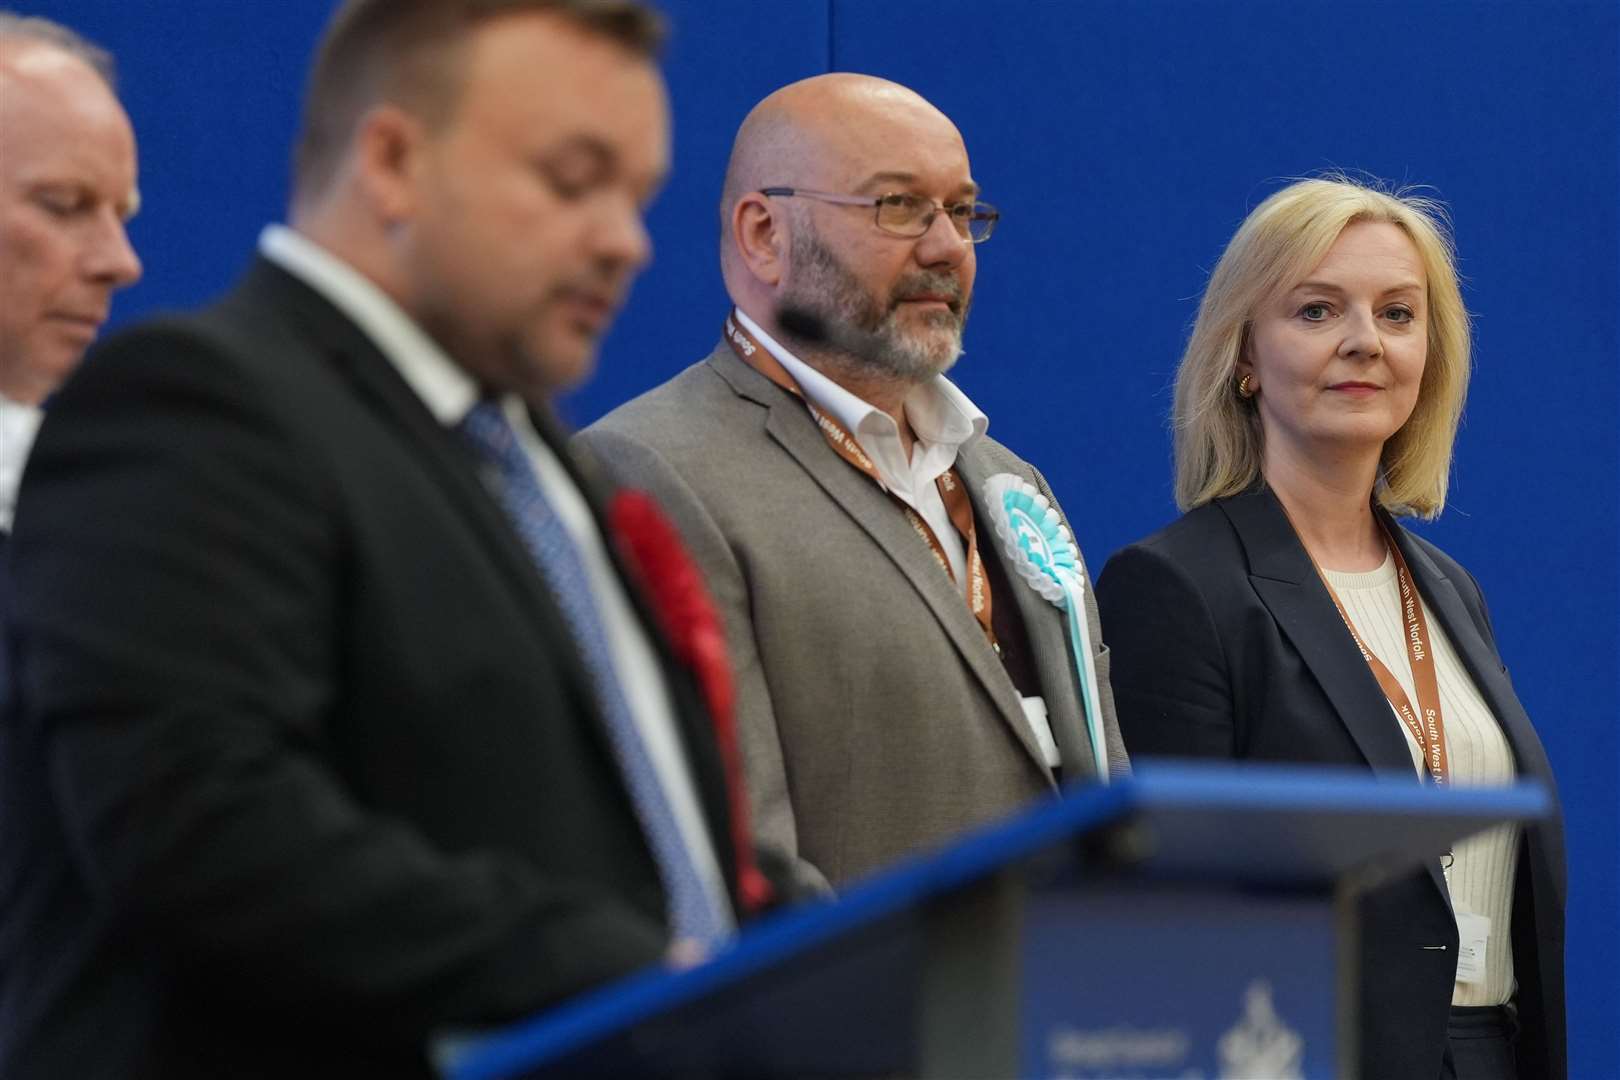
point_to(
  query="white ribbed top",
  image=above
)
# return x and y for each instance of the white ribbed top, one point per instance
(1481, 876)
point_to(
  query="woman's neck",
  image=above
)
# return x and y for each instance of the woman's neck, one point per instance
(1331, 510)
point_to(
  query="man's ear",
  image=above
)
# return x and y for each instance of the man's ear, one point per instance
(761, 238)
(388, 161)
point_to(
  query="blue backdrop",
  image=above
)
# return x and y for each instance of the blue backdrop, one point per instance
(1123, 140)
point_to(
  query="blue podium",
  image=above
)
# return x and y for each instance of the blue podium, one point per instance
(1192, 921)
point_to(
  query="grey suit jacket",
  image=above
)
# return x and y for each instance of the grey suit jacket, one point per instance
(875, 719)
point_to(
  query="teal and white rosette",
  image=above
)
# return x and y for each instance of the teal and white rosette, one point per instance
(1041, 551)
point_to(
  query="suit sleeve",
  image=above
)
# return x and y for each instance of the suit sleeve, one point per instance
(635, 465)
(181, 562)
(1481, 613)
(1171, 680)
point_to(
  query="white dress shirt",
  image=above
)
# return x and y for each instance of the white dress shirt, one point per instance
(18, 426)
(941, 417)
(450, 393)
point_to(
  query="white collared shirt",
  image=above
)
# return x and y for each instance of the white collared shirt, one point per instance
(449, 394)
(942, 418)
(18, 425)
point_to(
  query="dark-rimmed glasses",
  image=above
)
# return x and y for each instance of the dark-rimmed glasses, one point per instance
(900, 213)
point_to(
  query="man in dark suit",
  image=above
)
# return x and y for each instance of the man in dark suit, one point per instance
(67, 186)
(340, 725)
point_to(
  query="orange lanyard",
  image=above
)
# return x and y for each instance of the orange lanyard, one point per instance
(951, 491)
(1426, 723)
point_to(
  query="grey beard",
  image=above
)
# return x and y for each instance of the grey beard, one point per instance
(824, 285)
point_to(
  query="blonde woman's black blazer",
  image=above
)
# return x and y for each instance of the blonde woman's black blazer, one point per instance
(1226, 644)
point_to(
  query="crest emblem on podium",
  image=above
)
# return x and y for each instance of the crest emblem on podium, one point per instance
(1261, 1046)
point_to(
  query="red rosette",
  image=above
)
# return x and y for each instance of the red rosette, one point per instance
(673, 585)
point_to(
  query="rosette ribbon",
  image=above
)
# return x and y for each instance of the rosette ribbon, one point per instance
(674, 586)
(1042, 553)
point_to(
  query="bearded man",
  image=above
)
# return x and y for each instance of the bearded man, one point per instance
(899, 679)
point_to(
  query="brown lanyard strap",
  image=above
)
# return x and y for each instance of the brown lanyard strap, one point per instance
(1430, 729)
(951, 490)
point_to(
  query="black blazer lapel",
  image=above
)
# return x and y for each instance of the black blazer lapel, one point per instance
(1466, 626)
(1467, 631)
(378, 386)
(328, 333)
(1287, 583)
(1542, 891)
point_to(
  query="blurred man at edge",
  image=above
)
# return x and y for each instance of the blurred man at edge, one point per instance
(67, 186)
(347, 724)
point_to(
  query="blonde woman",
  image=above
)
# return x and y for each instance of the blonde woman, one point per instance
(1316, 404)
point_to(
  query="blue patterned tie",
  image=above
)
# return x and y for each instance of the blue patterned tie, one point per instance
(692, 907)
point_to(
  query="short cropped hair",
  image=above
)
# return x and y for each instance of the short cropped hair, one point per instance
(1218, 438)
(407, 52)
(46, 32)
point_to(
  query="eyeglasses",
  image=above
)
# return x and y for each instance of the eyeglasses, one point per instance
(901, 214)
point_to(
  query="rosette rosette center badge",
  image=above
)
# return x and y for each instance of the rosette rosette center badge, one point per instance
(1041, 552)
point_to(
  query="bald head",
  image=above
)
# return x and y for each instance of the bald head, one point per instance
(67, 185)
(16, 30)
(846, 145)
(829, 132)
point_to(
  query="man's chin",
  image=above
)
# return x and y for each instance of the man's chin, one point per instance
(916, 366)
(543, 367)
(31, 372)
(933, 354)
(944, 363)
(564, 366)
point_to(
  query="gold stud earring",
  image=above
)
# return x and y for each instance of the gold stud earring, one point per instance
(1243, 390)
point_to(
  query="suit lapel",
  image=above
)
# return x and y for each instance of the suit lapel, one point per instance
(379, 386)
(789, 423)
(1285, 579)
(1287, 582)
(1444, 603)
(1468, 635)
(1044, 624)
